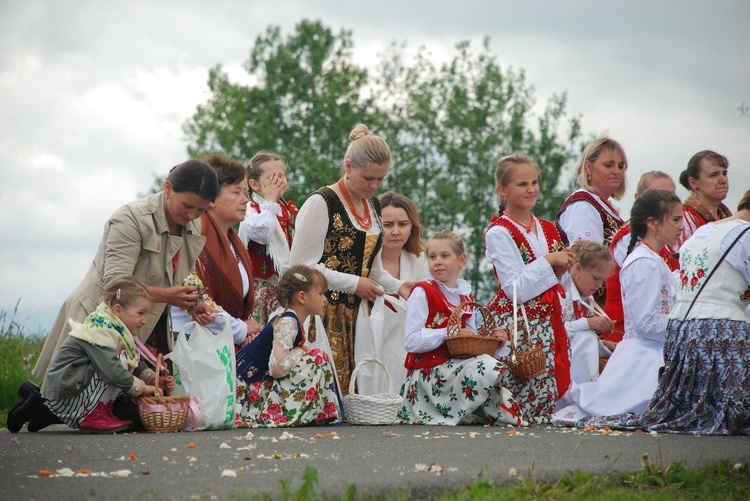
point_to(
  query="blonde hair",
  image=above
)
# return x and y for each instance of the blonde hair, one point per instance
(456, 243)
(295, 279)
(366, 148)
(124, 291)
(649, 177)
(591, 153)
(505, 168)
(590, 254)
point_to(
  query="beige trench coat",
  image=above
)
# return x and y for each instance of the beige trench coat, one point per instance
(136, 241)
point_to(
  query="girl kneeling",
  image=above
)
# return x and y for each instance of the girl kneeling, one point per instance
(98, 361)
(282, 382)
(440, 389)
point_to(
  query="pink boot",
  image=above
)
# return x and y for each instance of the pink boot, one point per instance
(101, 420)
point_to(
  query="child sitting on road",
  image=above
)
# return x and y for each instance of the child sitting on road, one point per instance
(584, 319)
(440, 389)
(99, 360)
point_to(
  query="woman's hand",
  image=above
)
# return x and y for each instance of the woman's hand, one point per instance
(600, 325)
(368, 289)
(500, 335)
(405, 289)
(203, 314)
(253, 328)
(177, 295)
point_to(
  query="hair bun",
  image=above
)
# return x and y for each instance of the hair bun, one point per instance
(359, 131)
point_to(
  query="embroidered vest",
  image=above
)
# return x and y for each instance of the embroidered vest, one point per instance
(263, 267)
(252, 360)
(439, 310)
(344, 248)
(610, 223)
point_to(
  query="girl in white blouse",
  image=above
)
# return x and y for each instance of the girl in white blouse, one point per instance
(648, 293)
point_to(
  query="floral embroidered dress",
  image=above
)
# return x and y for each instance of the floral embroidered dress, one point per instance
(305, 394)
(585, 215)
(631, 376)
(517, 256)
(267, 232)
(704, 387)
(442, 390)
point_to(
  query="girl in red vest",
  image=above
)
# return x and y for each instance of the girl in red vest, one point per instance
(440, 389)
(529, 253)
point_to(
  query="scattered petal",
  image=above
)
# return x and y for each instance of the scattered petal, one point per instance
(739, 466)
(335, 437)
(320, 435)
(67, 448)
(512, 472)
(286, 436)
(512, 432)
(145, 473)
(13, 441)
(653, 434)
(132, 457)
(46, 473)
(192, 445)
(225, 445)
(120, 473)
(229, 473)
(65, 472)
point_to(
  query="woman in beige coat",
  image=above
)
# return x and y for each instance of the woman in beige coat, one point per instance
(156, 239)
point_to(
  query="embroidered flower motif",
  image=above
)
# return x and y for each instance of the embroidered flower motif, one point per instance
(332, 262)
(346, 243)
(745, 295)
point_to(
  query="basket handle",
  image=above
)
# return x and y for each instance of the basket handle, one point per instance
(454, 319)
(514, 337)
(366, 360)
(156, 377)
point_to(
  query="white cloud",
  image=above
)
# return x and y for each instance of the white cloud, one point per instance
(95, 95)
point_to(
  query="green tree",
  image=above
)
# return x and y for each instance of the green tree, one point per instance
(449, 126)
(306, 97)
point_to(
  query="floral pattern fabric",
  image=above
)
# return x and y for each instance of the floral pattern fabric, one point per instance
(306, 395)
(703, 389)
(265, 301)
(459, 391)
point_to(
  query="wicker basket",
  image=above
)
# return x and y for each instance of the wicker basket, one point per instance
(371, 409)
(163, 414)
(530, 363)
(463, 343)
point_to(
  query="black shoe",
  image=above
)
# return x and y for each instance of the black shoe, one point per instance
(27, 388)
(45, 419)
(24, 412)
(124, 408)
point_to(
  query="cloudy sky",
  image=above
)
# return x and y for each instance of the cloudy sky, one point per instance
(93, 96)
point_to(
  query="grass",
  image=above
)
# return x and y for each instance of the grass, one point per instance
(654, 481)
(18, 354)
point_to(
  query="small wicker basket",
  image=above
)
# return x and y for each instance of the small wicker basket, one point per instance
(371, 409)
(463, 343)
(530, 363)
(163, 414)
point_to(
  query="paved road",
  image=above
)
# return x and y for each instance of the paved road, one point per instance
(379, 460)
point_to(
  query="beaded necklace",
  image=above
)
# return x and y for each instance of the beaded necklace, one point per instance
(364, 221)
(527, 227)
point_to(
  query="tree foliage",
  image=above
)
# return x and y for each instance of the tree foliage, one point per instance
(447, 126)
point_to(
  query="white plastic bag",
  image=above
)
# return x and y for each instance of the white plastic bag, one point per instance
(204, 368)
(321, 342)
(380, 335)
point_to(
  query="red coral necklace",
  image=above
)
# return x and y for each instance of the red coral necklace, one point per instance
(364, 221)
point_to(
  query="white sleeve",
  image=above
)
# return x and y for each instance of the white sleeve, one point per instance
(239, 328)
(417, 337)
(311, 228)
(739, 257)
(581, 221)
(383, 278)
(620, 249)
(259, 227)
(533, 278)
(642, 300)
(284, 355)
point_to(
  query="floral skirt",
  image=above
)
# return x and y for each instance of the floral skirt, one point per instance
(265, 301)
(459, 391)
(704, 387)
(537, 396)
(307, 395)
